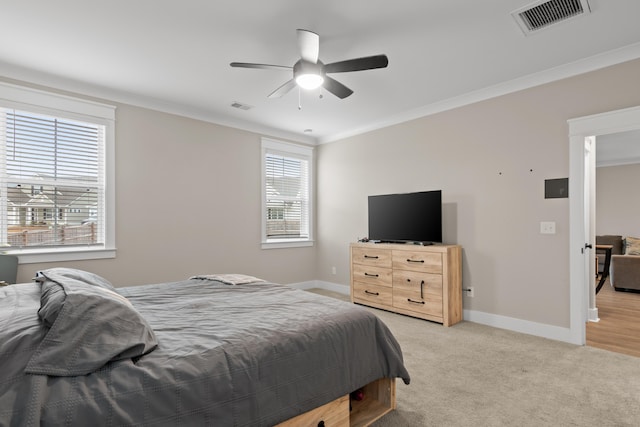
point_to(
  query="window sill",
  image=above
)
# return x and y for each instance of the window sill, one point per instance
(286, 244)
(33, 256)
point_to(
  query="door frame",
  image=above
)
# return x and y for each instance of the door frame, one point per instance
(579, 129)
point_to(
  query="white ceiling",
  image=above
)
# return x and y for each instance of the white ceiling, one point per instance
(174, 55)
(620, 148)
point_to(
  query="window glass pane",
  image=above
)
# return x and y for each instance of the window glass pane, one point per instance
(286, 192)
(54, 181)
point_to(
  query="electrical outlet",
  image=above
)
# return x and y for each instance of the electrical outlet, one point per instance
(469, 291)
(333, 270)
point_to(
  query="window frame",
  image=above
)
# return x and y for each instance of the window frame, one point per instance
(53, 104)
(297, 151)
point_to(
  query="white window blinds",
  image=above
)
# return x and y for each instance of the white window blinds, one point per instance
(52, 180)
(286, 192)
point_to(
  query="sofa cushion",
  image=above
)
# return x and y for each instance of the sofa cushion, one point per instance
(624, 272)
(613, 240)
(632, 246)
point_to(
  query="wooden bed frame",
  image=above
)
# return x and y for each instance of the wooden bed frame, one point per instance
(379, 399)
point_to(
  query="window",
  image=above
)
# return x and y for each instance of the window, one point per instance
(286, 194)
(56, 188)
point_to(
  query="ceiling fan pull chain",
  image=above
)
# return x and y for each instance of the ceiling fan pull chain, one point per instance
(299, 99)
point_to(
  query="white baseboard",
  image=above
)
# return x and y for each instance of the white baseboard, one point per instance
(503, 322)
(518, 325)
(593, 315)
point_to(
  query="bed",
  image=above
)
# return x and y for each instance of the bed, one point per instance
(226, 350)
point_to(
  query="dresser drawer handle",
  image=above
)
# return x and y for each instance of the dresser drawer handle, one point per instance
(421, 288)
(371, 257)
(371, 293)
(415, 260)
(371, 275)
(415, 302)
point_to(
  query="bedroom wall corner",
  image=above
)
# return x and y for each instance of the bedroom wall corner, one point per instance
(187, 202)
(491, 160)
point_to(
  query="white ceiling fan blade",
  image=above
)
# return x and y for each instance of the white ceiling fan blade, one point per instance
(309, 45)
(261, 66)
(336, 88)
(282, 90)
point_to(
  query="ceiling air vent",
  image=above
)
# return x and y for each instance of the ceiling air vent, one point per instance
(240, 105)
(542, 14)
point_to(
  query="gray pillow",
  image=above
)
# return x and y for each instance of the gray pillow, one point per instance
(73, 273)
(90, 326)
(52, 296)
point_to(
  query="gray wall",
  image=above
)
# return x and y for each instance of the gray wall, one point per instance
(490, 159)
(187, 202)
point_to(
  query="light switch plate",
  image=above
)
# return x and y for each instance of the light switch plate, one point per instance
(547, 227)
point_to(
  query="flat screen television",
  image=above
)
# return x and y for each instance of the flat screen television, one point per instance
(407, 217)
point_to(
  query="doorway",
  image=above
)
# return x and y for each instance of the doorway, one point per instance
(582, 190)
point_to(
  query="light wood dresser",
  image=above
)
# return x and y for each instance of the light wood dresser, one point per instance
(419, 281)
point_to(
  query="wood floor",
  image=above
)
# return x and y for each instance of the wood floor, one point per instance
(619, 326)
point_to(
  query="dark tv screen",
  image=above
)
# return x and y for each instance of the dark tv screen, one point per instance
(408, 217)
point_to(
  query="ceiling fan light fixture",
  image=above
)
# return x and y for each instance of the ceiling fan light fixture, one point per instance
(309, 81)
(308, 75)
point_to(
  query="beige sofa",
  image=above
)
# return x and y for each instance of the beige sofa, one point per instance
(624, 271)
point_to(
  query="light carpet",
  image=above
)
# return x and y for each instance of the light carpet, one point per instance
(475, 375)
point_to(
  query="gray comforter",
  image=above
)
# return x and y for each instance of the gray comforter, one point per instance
(247, 355)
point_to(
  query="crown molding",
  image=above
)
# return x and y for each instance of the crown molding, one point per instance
(593, 63)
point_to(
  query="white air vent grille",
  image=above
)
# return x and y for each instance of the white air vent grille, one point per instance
(545, 13)
(241, 106)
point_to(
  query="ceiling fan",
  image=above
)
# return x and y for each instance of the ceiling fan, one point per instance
(310, 73)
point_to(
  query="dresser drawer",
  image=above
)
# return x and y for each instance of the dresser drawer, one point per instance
(420, 292)
(412, 280)
(417, 261)
(372, 275)
(371, 256)
(372, 293)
